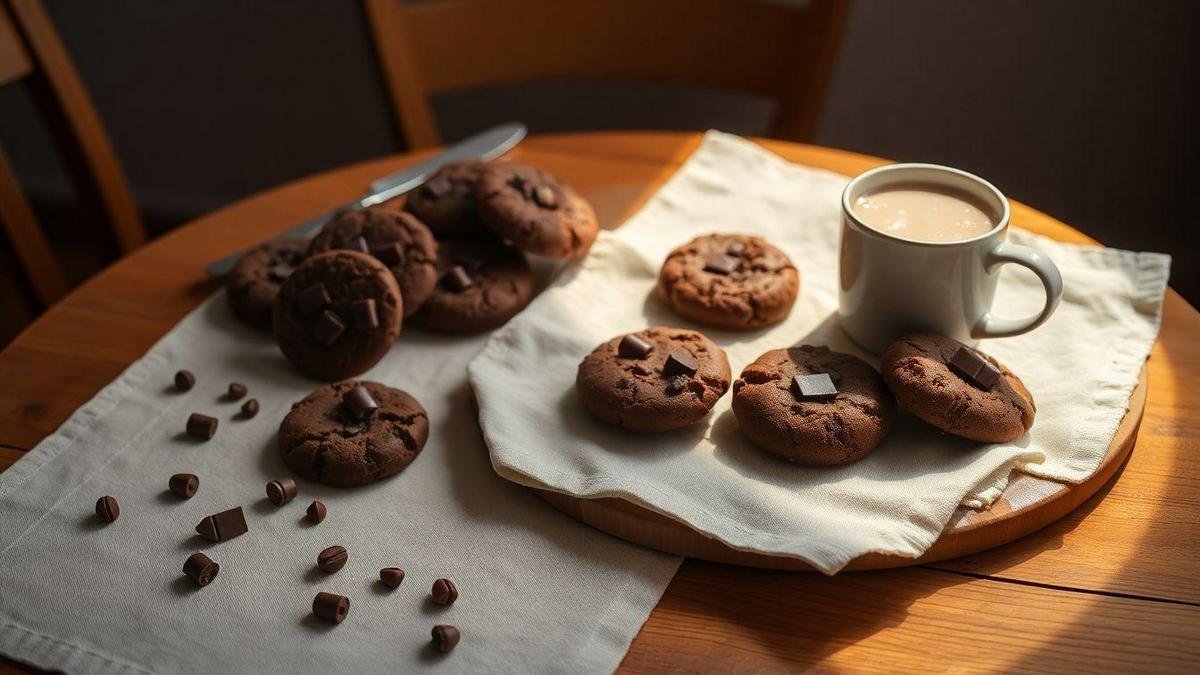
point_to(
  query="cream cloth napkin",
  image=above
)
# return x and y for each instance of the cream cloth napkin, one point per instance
(539, 591)
(1081, 367)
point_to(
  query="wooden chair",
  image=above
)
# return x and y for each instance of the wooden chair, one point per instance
(743, 45)
(30, 48)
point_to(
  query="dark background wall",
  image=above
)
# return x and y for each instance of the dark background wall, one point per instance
(1080, 108)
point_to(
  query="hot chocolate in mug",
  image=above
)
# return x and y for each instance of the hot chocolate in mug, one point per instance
(921, 250)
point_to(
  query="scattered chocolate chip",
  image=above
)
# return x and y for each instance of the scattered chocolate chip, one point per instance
(223, 526)
(388, 254)
(363, 314)
(184, 380)
(457, 279)
(312, 299)
(328, 329)
(680, 362)
(545, 197)
(444, 592)
(436, 187)
(677, 384)
(634, 347)
(722, 264)
(973, 368)
(332, 559)
(200, 569)
(814, 387)
(358, 244)
(281, 491)
(250, 408)
(445, 637)
(316, 512)
(107, 509)
(236, 391)
(358, 403)
(279, 273)
(736, 249)
(331, 607)
(201, 426)
(391, 577)
(184, 484)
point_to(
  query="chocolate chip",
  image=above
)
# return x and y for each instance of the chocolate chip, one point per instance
(388, 254)
(107, 509)
(363, 314)
(679, 362)
(332, 559)
(444, 592)
(987, 376)
(316, 512)
(457, 279)
(200, 569)
(223, 526)
(814, 387)
(281, 491)
(358, 402)
(736, 249)
(545, 197)
(722, 264)
(328, 329)
(312, 299)
(250, 408)
(391, 577)
(634, 347)
(436, 187)
(331, 607)
(184, 380)
(279, 273)
(976, 370)
(358, 244)
(236, 391)
(445, 637)
(184, 484)
(201, 426)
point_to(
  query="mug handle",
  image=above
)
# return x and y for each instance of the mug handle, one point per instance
(994, 327)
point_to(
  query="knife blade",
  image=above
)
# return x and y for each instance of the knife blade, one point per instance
(486, 145)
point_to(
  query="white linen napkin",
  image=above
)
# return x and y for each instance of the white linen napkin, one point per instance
(538, 591)
(1081, 367)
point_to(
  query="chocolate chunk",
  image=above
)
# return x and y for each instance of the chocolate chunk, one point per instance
(201, 426)
(976, 370)
(332, 559)
(184, 484)
(358, 403)
(634, 347)
(358, 244)
(457, 279)
(250, 408)
(444, 592)
(280, 272)
(436, 187)
(815, 387)
(184, 380)
(364, 315)
(987, 376)
(391, 577)
(331, 607)
(316, 512)
(223, 526)
(680, 362)
(445, 637)
(107, 509)
(281, 491)
(312, 299)
(328, 329)
(722, 264)
(200, 569)
(677, 384)
(737, 249)
(545, 197)
(388, 254)
(236, 391)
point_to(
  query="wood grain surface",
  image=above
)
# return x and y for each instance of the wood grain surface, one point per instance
(1113, 586)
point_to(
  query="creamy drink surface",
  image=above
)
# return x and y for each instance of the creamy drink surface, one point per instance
(920, 212)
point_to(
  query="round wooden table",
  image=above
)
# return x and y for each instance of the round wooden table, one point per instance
(1115, 585)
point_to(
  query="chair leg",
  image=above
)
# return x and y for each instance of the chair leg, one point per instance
(48, 281)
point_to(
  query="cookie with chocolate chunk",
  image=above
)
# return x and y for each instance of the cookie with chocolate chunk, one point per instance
(653, 380)
(813, 406)
(957, 389)
(254, 281)
(481, 286)
(446, 202)
(535, 211)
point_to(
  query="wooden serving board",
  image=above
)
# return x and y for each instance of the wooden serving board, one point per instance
(1026, 505)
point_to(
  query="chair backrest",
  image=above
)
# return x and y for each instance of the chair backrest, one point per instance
(30, 48)
(756, 46)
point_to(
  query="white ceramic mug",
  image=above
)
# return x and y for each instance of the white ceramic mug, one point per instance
(890, 286)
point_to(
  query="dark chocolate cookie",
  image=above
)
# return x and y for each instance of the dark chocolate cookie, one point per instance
(397, 239)
(446, 202)
(338, 314)
(729, 281)
(653, 380)
(334, 436)
(812, 405)
(969, 394)
(481, 287)
(534, 211)
(254, 281)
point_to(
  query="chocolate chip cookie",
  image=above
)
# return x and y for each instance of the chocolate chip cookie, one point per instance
(729, 281)
(480, 288)
(396, 239)
(254, 281)
(353, 433)
(534, 211)
(653, 380)
(338, 314)
(446, 202)
(957, 389)
(813, 406)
